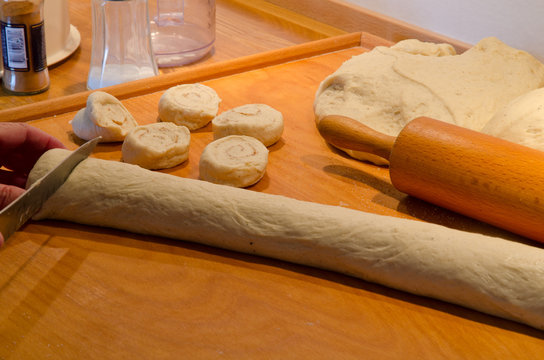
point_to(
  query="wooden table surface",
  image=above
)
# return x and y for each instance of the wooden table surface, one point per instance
(79, 292)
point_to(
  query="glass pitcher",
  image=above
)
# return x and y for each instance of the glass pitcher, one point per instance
(121, 43)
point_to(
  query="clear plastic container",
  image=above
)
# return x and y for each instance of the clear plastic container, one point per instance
(121, 47)
(182, 31)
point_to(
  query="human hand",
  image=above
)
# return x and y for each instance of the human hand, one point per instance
(20, 147)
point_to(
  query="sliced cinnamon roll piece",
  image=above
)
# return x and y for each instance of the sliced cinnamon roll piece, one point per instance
(261, 121)
(235, 160)
(104, 115)
(157, 146)
(191, 105)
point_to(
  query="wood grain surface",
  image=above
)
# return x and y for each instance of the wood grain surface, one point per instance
(69, 291)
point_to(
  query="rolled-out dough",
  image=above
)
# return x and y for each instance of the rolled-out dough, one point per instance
(492, 275)
(389, 86)
(521, 121)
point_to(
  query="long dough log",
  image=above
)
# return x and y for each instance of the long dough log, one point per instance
(489, 274)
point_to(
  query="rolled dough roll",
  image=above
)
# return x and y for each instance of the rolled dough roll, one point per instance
(489, 274)
(235, 160)
(157, 146)
(260, 121)
(103, 116)
(191, 105)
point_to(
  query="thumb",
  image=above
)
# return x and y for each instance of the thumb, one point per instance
(8, 193)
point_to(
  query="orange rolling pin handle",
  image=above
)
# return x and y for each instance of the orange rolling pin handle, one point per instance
(483, 177)
(347, 133)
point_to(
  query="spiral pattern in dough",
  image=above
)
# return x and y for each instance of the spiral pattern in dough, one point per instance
(191, 105)
(103, 116)
(234, 160)
(157, 146)
(258, 120)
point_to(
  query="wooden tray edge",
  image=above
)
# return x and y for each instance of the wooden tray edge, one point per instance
(204, 72)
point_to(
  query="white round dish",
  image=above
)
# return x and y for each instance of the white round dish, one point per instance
(74, 39)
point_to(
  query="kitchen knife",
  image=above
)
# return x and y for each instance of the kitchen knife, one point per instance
(24, 207)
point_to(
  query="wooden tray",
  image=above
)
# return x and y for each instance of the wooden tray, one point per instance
(71, 291)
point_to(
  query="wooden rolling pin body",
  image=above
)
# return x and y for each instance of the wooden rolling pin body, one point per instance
(480, 176)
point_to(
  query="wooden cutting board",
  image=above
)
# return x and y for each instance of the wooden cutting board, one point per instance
(70, 291)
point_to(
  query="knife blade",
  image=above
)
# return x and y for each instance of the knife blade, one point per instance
(13, 216)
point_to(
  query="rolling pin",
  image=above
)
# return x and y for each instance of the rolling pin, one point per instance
(477, 175)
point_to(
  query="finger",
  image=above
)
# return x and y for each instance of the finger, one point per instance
(21, 145)
(8, 193)
(13, 178)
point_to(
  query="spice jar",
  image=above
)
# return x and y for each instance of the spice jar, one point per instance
(23, 47)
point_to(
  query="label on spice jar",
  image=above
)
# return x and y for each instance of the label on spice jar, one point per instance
(14, 47)
(39, 57)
